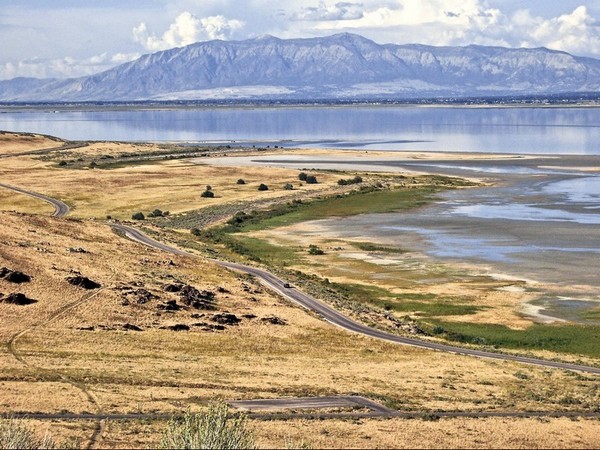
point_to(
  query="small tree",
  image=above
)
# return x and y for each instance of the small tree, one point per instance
(211, 429)
(263, 187)
(208, 187)
(241, 181)
(138, 216)
(302, 176)
(311, 179)
(207, 194)
(288, 186)
(93, 165)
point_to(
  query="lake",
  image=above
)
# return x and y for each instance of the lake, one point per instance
(554, 130)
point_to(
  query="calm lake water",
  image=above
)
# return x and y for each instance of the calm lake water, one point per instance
(503, 130)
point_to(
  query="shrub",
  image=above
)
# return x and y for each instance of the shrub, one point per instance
(208, 187)
(207, 194)
(138, 216)
(93, 165)
(15, 434)
(344, 182)
(302, 176)
(311, 179)
(156, 213)
(241, 181)
(62, 163)
(315, 250)
(288, 186)
(211, 429)
(196, 231)
(263, 187)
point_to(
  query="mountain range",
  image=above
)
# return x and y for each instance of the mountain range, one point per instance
(342, 66)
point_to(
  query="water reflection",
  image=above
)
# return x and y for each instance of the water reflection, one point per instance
(514, 130)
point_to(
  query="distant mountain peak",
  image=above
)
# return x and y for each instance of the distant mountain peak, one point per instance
(340, 66)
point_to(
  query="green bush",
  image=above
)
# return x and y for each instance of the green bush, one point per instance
(311, 179)
(288, 186)
(138, 216)
(156, 213)
(241, 181)
(93, 165)
(302, 176)
(207, 194)
(196, 231)
(14, 434)
(263, 187)
(211, 429)
(315, 250)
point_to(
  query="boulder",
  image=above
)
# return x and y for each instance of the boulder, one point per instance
(274, 320)
(176, 327)
(131, 327)
(14, 276)
(226, 319)
(18, 299)
(170, 305)
(83, 282)
(194, 298)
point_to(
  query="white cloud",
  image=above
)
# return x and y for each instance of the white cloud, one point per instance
(337, 11)
(67, 67)
(185, 30)
(577, 32)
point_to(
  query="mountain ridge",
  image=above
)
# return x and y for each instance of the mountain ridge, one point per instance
(340, 66)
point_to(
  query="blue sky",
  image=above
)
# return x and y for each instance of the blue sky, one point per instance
(63, 38)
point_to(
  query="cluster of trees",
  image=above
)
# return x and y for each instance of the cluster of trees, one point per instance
(308, 179)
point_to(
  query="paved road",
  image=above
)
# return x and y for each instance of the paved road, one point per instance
(342, 401)
(61, 209)
(336, 318)
(316, 415)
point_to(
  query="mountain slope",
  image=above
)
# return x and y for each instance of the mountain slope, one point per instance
(342, 65)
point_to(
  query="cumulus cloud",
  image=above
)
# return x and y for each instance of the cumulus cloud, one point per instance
(185, 30)
(67, 67)
(577, 32)
(457, 22)
(337, 11)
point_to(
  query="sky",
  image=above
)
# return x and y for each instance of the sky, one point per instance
(70, 38)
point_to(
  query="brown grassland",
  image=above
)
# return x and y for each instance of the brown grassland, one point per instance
(71, 351)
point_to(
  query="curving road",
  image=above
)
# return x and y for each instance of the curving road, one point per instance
(61, 209)
(338, 319)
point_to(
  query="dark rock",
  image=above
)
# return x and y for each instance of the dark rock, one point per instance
(194, 298)
(77, 250)
(174, 287)
(83, 282)
(176, 327)
(226, 319)
(170, 305)
(18, 299)
(142, 296)
(274, 320)
(131, 327)
(14, 276)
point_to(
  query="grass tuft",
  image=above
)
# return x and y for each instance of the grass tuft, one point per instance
(211, 429)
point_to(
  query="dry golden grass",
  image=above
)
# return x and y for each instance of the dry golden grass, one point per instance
(22, 142)
(173, 186)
